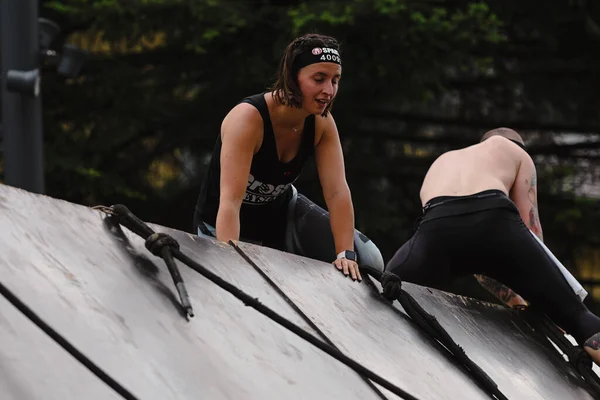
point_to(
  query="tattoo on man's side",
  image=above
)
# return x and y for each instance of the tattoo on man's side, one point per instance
(593, 342)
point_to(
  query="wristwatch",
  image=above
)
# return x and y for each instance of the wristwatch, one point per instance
(348, 255)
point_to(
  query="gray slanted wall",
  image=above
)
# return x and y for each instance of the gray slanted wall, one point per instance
(105, 293)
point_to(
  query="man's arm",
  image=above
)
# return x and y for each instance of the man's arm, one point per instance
(524, 195)
(501, 292)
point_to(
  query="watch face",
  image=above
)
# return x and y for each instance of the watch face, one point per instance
(350, 255)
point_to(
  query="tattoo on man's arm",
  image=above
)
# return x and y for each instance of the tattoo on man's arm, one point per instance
(593, 342)
(534, 218)
(502, 292)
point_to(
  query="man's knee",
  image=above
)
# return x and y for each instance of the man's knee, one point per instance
(367, 251)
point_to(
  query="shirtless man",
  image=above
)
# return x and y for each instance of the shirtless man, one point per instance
(479, 206)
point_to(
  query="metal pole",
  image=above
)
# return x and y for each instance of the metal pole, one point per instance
(21, 114)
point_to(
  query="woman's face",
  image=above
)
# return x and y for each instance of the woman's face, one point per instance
(319, 85)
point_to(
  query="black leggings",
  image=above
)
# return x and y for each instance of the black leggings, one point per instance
(484, 234)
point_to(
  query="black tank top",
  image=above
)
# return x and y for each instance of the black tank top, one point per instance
(268, 190)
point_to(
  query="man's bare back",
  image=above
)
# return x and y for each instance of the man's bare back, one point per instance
(496, 163)
(492, 164)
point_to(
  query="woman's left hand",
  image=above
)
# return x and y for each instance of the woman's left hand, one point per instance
(348, 267)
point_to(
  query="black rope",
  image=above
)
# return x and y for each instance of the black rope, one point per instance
(392, 290)
(578, 357)
(257, 305)
(65, 344)
(298, 310)
(159, 244)
(137, 226)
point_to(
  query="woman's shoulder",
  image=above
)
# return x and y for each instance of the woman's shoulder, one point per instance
(244, 126)
(324, 125)
(244, 113)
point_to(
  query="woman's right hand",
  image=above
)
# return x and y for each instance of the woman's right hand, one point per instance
(348, 268)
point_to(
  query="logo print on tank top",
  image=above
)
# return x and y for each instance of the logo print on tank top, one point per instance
(258, 192)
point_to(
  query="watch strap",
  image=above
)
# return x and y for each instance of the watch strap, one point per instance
(343, 254)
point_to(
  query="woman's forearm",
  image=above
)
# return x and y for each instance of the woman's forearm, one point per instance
(341, 214)
(228, 222)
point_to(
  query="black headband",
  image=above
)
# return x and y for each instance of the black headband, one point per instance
(317, 55)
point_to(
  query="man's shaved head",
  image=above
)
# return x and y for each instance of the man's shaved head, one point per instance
(505, 132)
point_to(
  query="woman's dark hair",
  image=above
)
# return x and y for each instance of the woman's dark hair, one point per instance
(286, 87)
